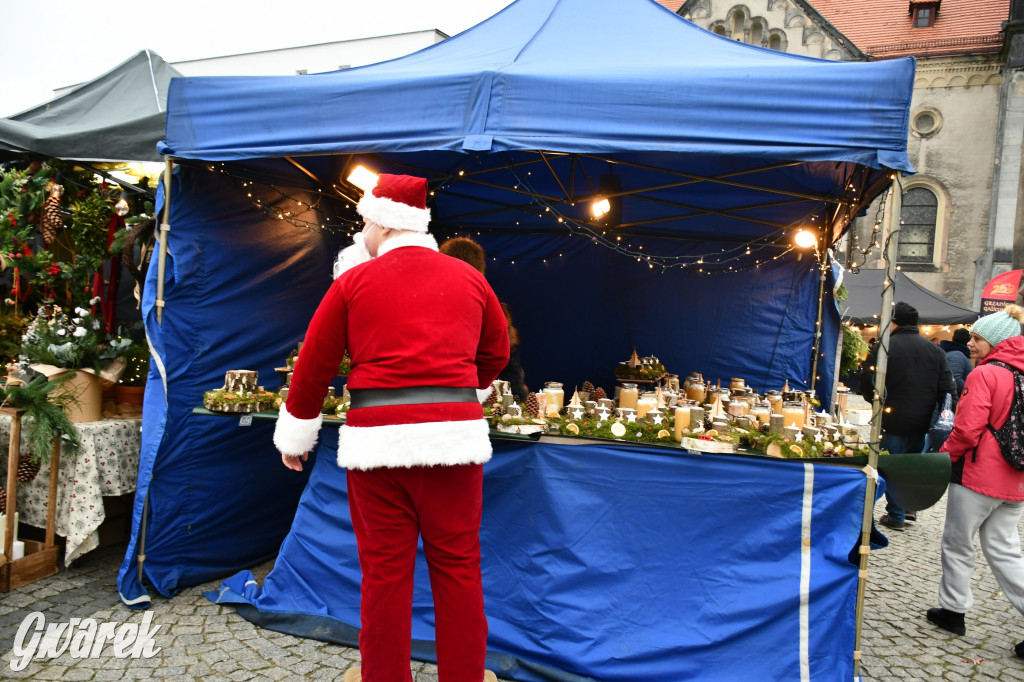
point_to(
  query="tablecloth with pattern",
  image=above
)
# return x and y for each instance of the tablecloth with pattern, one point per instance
(107, 466)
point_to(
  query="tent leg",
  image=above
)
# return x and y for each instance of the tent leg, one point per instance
(895, 207)
(817, 323)
(165, 228)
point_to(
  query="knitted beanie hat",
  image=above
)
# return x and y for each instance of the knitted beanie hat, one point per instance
(961, 335)
(1000, 326)
(904, 314)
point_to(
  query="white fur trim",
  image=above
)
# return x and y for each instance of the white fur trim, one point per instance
(482, 394)
(351, 256)
(294, 436)
(409, 445)
(393, 214)
(400, 239)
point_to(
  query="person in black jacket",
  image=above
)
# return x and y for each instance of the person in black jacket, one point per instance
(917, 379)
(958, 355)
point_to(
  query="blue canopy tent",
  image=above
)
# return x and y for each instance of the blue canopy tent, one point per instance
(712, 153)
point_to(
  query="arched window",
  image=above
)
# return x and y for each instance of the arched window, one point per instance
(917, 234)
(738, 21)
(756, 33)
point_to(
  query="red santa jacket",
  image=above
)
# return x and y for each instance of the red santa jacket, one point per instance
(410, 317)
(977, 462)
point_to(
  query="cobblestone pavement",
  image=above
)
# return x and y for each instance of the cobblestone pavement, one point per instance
(201, 640)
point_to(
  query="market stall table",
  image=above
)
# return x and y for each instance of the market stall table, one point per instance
(107, 466)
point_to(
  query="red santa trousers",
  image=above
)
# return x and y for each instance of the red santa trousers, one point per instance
(390, 508)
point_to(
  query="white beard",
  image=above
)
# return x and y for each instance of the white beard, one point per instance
(351, 256)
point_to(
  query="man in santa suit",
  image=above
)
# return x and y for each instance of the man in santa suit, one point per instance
(426, 337)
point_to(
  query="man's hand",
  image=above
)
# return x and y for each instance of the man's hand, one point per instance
(294, 462)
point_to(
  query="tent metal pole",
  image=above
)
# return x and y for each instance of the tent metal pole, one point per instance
(817, 323)
(165, 228)
(894, 208)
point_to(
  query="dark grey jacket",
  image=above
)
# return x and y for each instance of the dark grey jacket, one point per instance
(917, 379)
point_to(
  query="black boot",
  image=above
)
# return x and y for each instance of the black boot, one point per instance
(950, 621)
(1019, 650)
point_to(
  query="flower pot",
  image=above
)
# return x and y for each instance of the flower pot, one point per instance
(86, 392)
(132, 395)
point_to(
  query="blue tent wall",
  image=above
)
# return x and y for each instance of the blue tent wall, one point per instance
(597, 566)
(581, 309)
(239, 292)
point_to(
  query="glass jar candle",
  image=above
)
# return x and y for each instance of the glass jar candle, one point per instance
(762, 411)
(645, 403)
(775, 401)
(738, 406)
(696, 391)
(628, 395)
(793, 414)
(556, 396)
(737, 385)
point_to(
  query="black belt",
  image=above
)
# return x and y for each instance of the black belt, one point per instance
(412, 395)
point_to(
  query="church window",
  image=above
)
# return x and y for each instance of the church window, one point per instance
(917, 233)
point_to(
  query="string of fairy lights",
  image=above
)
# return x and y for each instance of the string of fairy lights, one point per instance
(742, 257)
(724, 260)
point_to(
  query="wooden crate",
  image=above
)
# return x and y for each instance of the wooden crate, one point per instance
(39, 562)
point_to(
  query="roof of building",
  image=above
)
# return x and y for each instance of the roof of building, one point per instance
(673, 5)
(884, 28)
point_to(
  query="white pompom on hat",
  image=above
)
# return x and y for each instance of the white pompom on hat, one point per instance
(398, 202)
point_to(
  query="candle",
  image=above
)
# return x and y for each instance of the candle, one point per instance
(762, 411)
(793, 412)
(682, 421)
(644, 404)
(555, 394)
(775, 400)
(628, 395)
(696, 391)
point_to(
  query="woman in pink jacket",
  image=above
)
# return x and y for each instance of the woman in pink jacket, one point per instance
(986, 494)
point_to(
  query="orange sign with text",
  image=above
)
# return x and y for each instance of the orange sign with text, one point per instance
(1000, 292)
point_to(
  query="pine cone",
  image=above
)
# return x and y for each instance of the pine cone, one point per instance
(3, 503)
(498, 410)
(599, 394)
(492, 399)
(532, 405)
(708, 422)
(588, 387)
(52, 222)
(764, 428)
(27, 470)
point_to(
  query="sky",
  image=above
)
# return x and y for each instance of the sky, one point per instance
(52, 44)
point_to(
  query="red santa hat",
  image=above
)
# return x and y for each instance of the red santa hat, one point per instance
(398, 202)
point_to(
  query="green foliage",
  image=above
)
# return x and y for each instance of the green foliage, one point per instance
(854, 347)
(72, 342)
(842, 293)
(46, 418)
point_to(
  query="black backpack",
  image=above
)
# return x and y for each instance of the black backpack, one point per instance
(1011, 435)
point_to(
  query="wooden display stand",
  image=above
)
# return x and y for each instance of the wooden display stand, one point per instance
(40, 560)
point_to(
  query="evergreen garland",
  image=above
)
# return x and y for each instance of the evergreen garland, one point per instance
(45, 416)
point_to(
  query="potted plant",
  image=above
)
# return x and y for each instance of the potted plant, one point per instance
(57, 343)
(131, 388)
